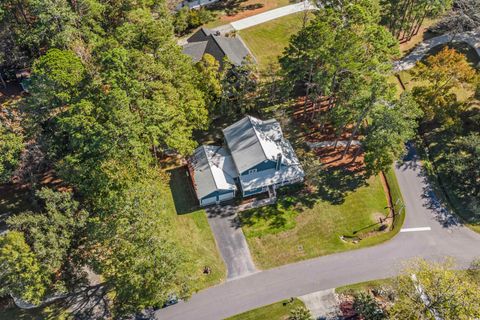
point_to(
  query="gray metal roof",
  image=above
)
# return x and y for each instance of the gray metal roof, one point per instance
(244, 145)
(252, 141)
(212, 170)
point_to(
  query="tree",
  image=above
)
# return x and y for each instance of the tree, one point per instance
(300, 313)
(368, 308)
(427, 289)
(11, 146)
(137, 255)
(53, 236)
(210, 82)
(460, 169)
(55, 83)
(465, 16)
(239, 83)
(329, 57)
(20, 273)
(405, 17)
(439, 76)
(391, 125)
(38, 24)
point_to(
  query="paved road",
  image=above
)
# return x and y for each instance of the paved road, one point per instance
(331, 271)
(266, 16)
(472, 38)
(231, 241)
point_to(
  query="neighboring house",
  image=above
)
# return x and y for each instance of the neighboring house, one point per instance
(256, 159)
(208, 41)
(194, 4)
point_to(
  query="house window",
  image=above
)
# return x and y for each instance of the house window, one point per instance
(252, 171)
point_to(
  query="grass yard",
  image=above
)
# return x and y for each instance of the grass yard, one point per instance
(363, 286)
(275, 311)
(243, 12)
(194, 232)
(283, 234)
(268, 40)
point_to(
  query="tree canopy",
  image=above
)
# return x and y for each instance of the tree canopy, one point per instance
(110, 92)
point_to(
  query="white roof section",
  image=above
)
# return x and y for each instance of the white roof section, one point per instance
(253, 141)
(271, 176)
(213, 170)
(222, 166)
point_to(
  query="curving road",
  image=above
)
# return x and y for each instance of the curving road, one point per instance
(444, 237)
(472, 38)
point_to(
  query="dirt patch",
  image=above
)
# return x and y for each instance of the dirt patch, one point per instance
(422, 35)
(245, 12)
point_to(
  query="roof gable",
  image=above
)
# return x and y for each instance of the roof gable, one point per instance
(213, 170)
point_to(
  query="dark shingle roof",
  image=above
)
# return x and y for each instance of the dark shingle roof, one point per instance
(234, 49)
(207, 41)
(195, 50)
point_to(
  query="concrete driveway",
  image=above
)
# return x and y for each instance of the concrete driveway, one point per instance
(229, 236)
(336, 270)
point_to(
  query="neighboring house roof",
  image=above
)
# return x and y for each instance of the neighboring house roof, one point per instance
(234, 48)
(207, 41)
(195, 50)
(213, 170)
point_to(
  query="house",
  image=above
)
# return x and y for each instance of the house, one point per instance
(208, 41)
(256, 159)
(195, 4)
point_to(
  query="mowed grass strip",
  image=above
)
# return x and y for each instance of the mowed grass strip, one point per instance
(193, 233)
(275, 311)
(268, 40)
(316, 231)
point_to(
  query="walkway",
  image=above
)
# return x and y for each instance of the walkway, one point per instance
(229, 236)
(335, 270)
(322, 304)
(266, 16)
(472, 38)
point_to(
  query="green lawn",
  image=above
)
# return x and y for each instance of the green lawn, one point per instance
(282, 233)
(363, 286)
(276, 311)
(268, 40)
(194, 232)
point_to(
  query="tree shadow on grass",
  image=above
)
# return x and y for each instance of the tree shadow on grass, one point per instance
(277, 217)
(334, 184)
(183, 193)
